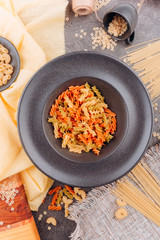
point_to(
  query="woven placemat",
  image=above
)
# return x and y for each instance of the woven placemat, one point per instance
(95, 215)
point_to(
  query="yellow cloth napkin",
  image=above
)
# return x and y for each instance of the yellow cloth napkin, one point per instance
(36, 28)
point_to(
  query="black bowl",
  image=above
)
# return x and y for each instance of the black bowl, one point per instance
(117, 105)
(125, 95)
(15, 61)
(129, 13)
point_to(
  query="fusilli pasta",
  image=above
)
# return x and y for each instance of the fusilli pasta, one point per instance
(82, 119)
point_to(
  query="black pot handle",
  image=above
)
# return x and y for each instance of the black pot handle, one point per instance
(130, 39)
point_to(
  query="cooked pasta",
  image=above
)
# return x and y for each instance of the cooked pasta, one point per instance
(82, 119)
(6, 69)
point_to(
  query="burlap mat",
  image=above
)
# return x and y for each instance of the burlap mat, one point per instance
(95, 216)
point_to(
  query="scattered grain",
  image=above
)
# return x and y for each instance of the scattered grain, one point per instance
(40, 217)
(82, 30)
(81, 36)
(76, 34)
(49, 228)
(155, 108)
(8, 192)
(67, 19)
(76, 14)
(154, 134)
(100, 3)
(156, 119)
(103, 39)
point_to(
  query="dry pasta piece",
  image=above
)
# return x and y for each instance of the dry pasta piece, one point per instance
(70, 190)
(66, 211)
(56, 208)
(54, 199)
(6, 58)
(6, 69)
(82, 119)
(96, 151)
(76, 189)
(121, 213)
(3, 49)
(51, 220)
(80, 192)
(67, 193)
(120, 202)
(54, 190)
(67, 202)
(59, 199)
(78, 198)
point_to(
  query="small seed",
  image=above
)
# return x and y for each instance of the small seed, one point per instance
(154, 134)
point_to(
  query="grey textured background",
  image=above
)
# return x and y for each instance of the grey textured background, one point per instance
(148, 28)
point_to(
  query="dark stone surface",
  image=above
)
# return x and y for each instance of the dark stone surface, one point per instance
(148, 28)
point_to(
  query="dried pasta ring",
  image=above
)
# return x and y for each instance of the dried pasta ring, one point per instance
(120, 202)
(121, 213)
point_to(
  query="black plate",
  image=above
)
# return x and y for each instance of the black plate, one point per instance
(125, 95)
(15, 61)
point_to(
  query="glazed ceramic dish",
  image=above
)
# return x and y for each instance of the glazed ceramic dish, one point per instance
(125, 95)
(15, 61)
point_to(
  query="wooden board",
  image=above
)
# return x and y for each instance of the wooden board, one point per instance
(16, 220)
